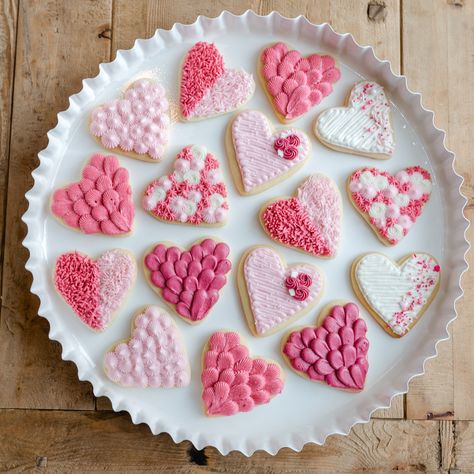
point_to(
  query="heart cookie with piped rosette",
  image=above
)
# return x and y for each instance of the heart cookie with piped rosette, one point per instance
(335, 352)
(189, 280)
(233, 381)
(309, 221)
(273, 294)
(95, 289)
(295, 83)
(194, 193)
(207, 87)
(263, 156)
(390, 204)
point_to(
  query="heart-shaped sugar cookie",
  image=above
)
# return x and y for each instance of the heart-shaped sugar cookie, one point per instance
(274, 295)
(310, 221)
(207, 87)
(95, 289)
(390, 204)
(188, 280)
(295, 83)
(234, 382)
(396, 294)
(334, 352)
(155, 355)
(263, 157)
(194, 193)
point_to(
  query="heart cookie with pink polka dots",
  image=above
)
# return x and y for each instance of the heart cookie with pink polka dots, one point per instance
(390, 204)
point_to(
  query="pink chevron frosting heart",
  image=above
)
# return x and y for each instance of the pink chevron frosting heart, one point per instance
(232, 381)
(155, 356)
(101, 202)
(334, 352)
(194, 193)
(189, 280)
(207, 87)
(296, 83)
(277, 294)
(390, 204)
(311, 221)
(264, 156)
(95, 289)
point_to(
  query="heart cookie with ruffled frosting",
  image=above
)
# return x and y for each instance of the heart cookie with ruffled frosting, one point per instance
(295, 83)
(207, 87)
(273, 294)
(334, 352)
(189, 281)
(263, 157)
(155, 355)
(309, 221)
(234, 382)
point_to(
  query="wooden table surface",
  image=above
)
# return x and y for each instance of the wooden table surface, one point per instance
(51, 421)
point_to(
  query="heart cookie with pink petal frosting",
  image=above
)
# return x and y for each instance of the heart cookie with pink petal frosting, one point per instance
(335, 352)
(189, 281)
(234, 382)
(295, 83)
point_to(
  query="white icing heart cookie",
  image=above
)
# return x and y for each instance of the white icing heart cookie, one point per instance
(274, 295)
(363, 127)
(263, 157)
(396, 294)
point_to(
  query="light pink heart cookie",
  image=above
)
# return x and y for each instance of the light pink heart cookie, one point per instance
(263, 156)
(274, 295)
(95, 289)
(194, 193)
(207, 87)
(234, 382)
(137, 124)
(155, 355)
(310, 221)
(100, 203)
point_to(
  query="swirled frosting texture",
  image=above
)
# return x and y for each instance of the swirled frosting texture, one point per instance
(154, 356)
(335, 352)
(232, 381)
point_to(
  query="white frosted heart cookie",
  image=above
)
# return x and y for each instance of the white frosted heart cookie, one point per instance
(362, 127)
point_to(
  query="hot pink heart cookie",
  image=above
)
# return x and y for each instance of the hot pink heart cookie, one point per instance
(101, 202)
(273, 294)
(310, 221)
(137, 124)
(189, 280)
(263, 156)
(194, 193)
(335, 352)
(232, 381)
(155, 356)
(390, 204)
(207, 87)
(295, 83)
(95, 289)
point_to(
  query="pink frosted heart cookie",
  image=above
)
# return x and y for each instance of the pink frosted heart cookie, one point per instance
(137, 124)
(188, 280)
(295, 83)
(273, 294)
(309, 221)
(334, 352)
(155, 355)
(263, 157)
(390, 204)
(232, 381)
(208, 88)
(363, 127)
(95, 289)
(194, 193)
(100, 203)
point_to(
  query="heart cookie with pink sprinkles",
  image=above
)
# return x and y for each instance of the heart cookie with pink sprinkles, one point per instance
(234, 382)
